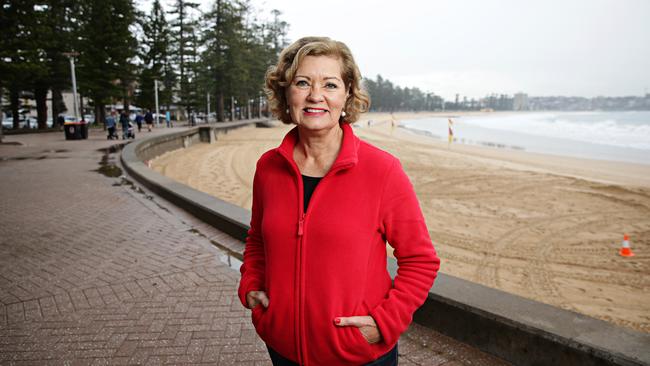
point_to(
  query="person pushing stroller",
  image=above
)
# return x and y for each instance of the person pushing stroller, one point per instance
(127, 127)
(110, 126)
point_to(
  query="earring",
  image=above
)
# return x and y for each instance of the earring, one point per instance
(286, 111)
(342, 113)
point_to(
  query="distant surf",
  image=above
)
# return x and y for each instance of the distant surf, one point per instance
(617, 136)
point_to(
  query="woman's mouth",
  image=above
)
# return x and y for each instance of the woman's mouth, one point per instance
(314, 111)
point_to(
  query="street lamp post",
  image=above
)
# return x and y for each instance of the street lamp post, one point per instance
(207, 116)
(232, 108)
(155, 82)
(71, 56)
(2, 116)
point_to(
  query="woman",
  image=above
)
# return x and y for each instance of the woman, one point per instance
(324, 205)
(148, 119)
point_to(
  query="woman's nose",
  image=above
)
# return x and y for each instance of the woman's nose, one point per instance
(315, 94)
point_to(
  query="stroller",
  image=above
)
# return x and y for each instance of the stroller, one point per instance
(129, 133)
(112, 134)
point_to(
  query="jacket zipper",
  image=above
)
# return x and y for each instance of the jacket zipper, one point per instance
(301, 234)
(301, 224)
(302, 351)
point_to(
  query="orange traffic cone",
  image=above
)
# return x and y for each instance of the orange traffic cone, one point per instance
(626, 251)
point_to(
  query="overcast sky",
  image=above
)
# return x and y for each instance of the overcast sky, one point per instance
(476, 47)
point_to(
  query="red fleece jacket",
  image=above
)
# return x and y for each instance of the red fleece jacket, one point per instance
(330, 261)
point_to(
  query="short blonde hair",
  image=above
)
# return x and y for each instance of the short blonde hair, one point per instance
(279, 77)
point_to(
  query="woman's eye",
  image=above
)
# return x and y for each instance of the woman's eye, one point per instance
(331, 86)
(302, 83)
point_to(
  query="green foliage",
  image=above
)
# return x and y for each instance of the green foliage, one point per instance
(184, 51)
(238, 51)
(224, 52)
(62, 21)
(21, 48)
(22, 55)
(107, 49)
(156, 59)
(389, 98)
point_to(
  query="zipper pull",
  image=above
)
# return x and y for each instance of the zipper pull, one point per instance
(301, 224)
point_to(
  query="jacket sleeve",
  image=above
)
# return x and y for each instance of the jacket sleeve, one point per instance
(254, 266)
(402, 223)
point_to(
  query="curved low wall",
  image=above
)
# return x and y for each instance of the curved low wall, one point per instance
(519, 330)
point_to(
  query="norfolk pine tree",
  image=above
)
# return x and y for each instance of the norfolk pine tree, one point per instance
(21, 54)
(107, 49)
(156, 59)
(182, 32)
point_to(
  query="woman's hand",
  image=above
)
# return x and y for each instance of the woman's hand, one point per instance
(254, 298)
(366, 325)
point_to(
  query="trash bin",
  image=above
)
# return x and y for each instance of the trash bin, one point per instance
(75, 130)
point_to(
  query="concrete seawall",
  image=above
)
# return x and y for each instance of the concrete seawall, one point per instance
(519, 330)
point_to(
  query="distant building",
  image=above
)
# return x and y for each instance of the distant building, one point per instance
(496, 102)
(520, 102)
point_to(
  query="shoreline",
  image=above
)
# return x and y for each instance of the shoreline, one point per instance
(602, 171)
(616, 137)
(545, 228)
(597, 170)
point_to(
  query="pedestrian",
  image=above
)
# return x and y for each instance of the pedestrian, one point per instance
(110, 126)
(124, 122)
(168, 118)
(314, 270)
(138, 120)
(148, 118)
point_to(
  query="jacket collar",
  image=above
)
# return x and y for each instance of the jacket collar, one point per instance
(348, 155)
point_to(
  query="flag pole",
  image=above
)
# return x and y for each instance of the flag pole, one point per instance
(450, 125)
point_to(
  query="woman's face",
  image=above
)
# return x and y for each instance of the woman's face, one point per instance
(317, 94)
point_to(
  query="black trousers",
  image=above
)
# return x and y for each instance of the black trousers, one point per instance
(389, 359)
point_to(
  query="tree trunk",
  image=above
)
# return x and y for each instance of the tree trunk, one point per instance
(220, 107)
(14, 100)
(40, 94)
(2, 113)
(248, 107)
(126, 102)
(57, 107)
(100, 114)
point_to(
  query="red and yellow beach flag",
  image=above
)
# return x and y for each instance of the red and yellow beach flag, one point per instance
(451, 130)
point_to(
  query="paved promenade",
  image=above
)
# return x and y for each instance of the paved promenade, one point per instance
(94, 270)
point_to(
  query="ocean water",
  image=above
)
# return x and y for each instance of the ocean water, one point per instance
(617, 136)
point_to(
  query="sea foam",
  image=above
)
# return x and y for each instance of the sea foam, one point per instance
(621, 136)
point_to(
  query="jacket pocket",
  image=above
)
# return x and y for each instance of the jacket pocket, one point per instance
(258, 314)
(353, 342)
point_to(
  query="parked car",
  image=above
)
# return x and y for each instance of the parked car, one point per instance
(161, 118)
(23, 122)
(89, 118)
(7, 121)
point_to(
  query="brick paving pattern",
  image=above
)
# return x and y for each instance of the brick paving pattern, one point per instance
(97, 271)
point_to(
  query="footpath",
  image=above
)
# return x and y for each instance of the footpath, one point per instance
(96, 270)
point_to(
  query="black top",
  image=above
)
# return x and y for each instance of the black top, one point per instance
(309, 185)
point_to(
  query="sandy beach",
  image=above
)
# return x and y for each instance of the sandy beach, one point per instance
(543, 227)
